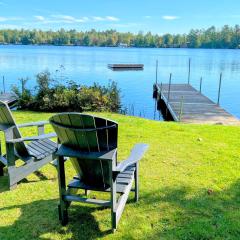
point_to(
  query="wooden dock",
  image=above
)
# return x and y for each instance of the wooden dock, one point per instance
(9, 98)
(187, 105)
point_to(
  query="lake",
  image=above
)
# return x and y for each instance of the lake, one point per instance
(86, 65)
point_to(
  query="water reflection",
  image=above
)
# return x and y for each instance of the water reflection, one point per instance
(88, 64)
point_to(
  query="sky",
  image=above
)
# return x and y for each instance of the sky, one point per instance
(157, 16)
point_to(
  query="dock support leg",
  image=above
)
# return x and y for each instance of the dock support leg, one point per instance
(155, 92)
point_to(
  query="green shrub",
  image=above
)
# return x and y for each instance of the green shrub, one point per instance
(52, 96)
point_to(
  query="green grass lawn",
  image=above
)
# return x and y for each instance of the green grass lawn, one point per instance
(189, 188)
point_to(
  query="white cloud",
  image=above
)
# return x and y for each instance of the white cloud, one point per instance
(3, 19)
(6, 19)
(98, 18)
(10, 26)
(71, 19)
(170, 18)
(85, 18)
(40, 18)
(147, 17)
(124, 25)
(107, 18)
(111, 18)
(64, 17)
(68, 19)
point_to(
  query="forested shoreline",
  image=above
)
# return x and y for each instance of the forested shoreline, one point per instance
(226, 38)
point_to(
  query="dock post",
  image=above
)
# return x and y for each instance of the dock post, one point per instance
(181, 109)
(3, 84)
(155, 109)
(189, 70)
(161, 89)
(219, 88)
(156, 71)
(169, 89)
(200, 89)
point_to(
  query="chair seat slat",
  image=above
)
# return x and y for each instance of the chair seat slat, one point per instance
(122, 183)
(38, 149)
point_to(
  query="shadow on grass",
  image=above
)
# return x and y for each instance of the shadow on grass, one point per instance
(39, 220)
(4, 180)
(171, 213)
(206, 215)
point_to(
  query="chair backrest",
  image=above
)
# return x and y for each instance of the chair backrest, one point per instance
(87, 133)
(7, 121)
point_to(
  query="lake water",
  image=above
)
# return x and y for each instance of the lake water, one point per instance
(89, 64)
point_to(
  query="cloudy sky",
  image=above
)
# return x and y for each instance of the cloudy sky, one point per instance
(158, 16)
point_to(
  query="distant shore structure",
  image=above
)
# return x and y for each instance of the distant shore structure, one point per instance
(123, 45)
(125, 67)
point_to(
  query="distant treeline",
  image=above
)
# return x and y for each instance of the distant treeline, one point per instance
(226, 37)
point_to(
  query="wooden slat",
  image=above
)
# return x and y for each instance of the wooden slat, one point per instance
(102, 135)
(80, 136)
(48, 143)
(81, 133)
(7, 119)
(177, 87)
(42, 148)
(122, 201)
(8, 98)
(17, 174)
(91, 137)
(122, 184)
(3, 160)
(75, 198)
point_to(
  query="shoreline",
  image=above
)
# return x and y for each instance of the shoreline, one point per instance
(131, 47)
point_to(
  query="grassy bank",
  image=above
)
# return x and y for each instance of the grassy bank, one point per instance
(189, 188)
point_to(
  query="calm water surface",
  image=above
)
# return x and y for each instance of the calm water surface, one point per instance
(87, 65)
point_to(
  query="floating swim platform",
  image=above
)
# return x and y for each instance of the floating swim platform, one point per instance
(126, 66)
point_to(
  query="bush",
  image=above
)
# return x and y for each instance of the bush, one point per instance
(52, 96)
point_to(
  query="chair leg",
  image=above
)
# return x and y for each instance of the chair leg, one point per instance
(87, 192)
(1, 164)
(62, 207)
(63, 215)
(1, 169)
(136, 182)
(113, 180)
(12, 187)
(114, 221)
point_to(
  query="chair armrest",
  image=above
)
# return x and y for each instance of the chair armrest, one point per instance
(32, 124)
(33, 138)
(135, 156)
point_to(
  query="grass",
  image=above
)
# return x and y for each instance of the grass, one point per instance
(189, 188)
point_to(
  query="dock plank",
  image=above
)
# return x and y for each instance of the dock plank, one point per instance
(197, 108)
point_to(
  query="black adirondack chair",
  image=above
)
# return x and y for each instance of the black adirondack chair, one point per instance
(40, 151)
(91, 144)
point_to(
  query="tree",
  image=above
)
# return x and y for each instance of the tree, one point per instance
(226, 37)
